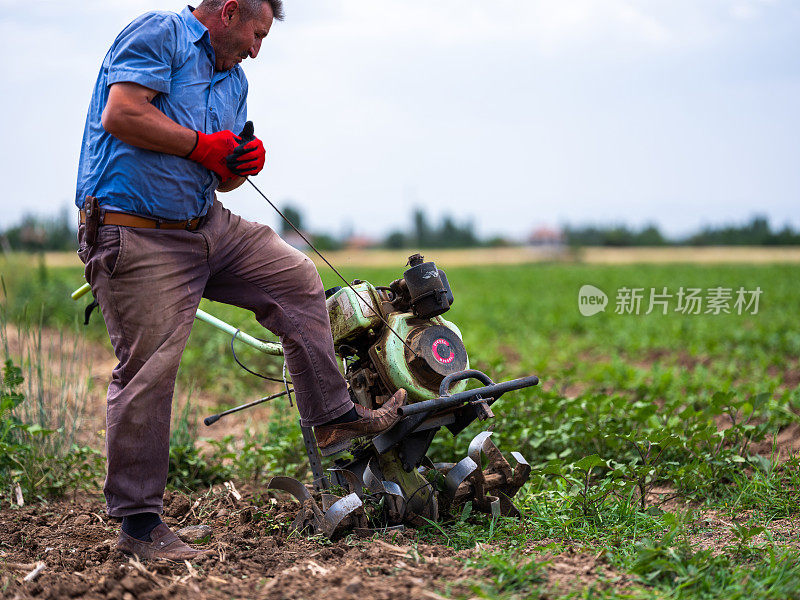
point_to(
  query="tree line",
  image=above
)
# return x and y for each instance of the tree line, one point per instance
(58, 232)
(757, 232)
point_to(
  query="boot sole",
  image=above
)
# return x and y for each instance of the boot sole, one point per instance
(335, 448)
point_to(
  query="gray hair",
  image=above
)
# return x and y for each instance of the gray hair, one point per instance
(249, 8)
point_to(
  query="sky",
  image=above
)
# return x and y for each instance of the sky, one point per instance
(511, 114)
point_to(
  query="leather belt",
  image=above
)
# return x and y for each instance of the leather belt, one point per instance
(126, 220)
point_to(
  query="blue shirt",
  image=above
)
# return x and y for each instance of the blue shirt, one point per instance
(171, 54)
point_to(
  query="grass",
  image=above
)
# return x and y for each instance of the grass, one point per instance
(42, 409)
(629, 405)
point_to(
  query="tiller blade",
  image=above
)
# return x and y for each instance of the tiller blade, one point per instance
(387, 495)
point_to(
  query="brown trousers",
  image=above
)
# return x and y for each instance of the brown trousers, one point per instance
(148, 283)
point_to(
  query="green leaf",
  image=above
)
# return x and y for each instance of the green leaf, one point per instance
(554, 467)
(37, 429)
(465, 512)
(590, 462)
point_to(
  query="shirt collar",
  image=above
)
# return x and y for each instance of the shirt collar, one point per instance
(195, 27)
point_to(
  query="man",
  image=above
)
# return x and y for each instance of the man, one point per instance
(158, 145)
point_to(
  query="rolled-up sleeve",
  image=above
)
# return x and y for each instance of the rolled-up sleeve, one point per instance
(143, 53)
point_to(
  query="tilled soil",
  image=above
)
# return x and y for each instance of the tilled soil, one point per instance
(254, 556)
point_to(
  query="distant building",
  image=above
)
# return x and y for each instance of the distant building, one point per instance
(547, 237)
(359, 242)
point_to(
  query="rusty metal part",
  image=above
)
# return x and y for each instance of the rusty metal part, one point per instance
(522, 472)
(478, 479)
(310, 516)
(321, 482)
(466, 490)
(338, 512)
(490, 489)
(353, 483)
(482, 409)
(372, 481)
(391, 491)
(328, 500)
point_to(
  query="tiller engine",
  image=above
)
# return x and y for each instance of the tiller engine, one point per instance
(391, 337)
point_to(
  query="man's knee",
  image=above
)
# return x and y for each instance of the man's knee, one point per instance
(309, 276)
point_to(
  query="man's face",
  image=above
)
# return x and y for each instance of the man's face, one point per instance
(241, 38)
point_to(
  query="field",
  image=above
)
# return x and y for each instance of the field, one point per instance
(664, 445)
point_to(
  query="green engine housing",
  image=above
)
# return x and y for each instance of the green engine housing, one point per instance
(416, 356)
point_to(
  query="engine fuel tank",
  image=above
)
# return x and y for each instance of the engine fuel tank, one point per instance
(352, 311)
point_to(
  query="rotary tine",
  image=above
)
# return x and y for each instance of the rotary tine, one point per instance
(390, 490)
(397, 501)
(441, 467)
(497, 462)
(456, 476)
(476, 447)
(299, 491)
(493, 488)
(353, 483)
(338, 512)
(495, 506)
(328, 522)
(328, 500)
(522, 471)
(372, 481)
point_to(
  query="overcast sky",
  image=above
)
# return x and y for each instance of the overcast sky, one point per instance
(511, 113)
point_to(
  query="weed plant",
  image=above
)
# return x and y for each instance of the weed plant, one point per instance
(254, 457)
(42, 406)
(34, 463)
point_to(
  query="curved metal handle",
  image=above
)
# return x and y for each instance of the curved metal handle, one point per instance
(490, 393)
(444, 387)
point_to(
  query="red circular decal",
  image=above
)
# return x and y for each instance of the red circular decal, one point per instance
(445, 360)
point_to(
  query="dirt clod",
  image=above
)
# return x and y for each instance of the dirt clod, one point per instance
(178, 507)
(82, 520)
(195, 534)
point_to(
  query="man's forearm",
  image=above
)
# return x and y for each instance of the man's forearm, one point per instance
(231, 184)
(130, 117)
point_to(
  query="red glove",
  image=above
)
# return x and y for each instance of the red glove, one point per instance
(249, 156)
(211, 150)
